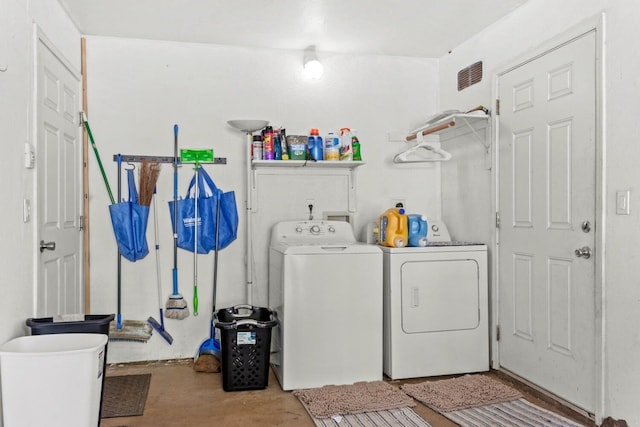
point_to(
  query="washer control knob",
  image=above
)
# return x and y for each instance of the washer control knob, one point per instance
(435, 228)
(332, 229)
(298, 229)
(315, 229)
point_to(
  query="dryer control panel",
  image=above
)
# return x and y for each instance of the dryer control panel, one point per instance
(312, 232)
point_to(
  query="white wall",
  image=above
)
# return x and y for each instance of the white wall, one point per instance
(532, 25)
(138, 89)
(18, 252)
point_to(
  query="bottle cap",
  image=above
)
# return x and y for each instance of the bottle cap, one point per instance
(314, 131)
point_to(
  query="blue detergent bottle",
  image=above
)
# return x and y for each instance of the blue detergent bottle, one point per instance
(417, 230)
(315, 145)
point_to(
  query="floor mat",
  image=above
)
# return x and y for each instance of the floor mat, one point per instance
(481, 401)
(125, 395)
(461, 392)
(398, 417)
(330, 400)
(518, 413)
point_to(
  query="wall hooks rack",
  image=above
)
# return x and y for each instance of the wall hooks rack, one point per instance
(163, 159)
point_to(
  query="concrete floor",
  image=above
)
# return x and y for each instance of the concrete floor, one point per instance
(179, 396)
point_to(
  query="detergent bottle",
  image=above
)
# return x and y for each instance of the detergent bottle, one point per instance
(417, 230)
(393, 228)
(315, 145)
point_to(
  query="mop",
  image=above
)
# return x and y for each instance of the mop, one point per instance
(158, 326)
(130, 330)
(126, 330)
(176, 304)
(211, 345)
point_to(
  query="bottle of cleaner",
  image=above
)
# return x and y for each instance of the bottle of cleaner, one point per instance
(268, 152)
(283, 144)
(345, 144)
(417, 230)
(315, 145)
(277, 147)
(393, 228)
(332, 147)
(355, 146)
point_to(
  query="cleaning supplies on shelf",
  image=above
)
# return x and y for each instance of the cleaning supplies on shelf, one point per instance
(331, 147)
(355, 146)
(315, 145)
(346, 152)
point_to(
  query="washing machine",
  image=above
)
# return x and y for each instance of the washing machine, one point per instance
(435, 307)
(326, 291)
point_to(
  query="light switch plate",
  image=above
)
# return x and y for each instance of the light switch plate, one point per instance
(622, 202)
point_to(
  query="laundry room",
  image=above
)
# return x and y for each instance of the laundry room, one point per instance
(134, 89)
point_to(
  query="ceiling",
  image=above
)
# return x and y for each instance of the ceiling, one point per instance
(419, 28)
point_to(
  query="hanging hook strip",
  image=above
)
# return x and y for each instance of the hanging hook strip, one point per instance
(162, 159)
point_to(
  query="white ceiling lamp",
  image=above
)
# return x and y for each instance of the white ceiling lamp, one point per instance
(313, 68)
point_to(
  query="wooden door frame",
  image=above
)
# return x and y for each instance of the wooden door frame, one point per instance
(597, 25)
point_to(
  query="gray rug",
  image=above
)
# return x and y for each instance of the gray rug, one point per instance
(398, 417)
(125, 395)
(519, 413)
(481, 401)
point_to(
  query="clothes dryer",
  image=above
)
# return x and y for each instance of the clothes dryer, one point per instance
(326, 291)
(435, 309)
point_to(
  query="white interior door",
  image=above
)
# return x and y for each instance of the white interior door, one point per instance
(547, 193)
(59, 192)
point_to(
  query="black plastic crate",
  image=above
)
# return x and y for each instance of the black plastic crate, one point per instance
(245, 341)
(92, 324)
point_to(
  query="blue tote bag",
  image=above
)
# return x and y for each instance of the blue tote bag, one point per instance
(187, 217)
(129, 220)
(205, 216)
(228, 214)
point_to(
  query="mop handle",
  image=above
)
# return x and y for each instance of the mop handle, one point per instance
(95, 150)
(119, 302)
(195, 245)
(175, 209)
(157, 245)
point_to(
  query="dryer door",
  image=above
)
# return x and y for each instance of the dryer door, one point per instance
(440, 295)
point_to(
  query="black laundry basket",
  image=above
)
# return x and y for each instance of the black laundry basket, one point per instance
(92, 324)
(245, 341)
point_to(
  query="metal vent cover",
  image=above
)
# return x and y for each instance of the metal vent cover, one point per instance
(470, 75)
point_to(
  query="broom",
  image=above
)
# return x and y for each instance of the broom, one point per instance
(148, 178)
(176, 305)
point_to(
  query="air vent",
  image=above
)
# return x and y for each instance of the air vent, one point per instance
(470, 75)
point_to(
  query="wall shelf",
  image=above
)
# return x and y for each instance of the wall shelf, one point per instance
(329, 164)
(455, 125)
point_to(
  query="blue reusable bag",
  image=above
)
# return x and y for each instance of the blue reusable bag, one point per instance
(129, 220)
(228, 214)
(187, 217)
(206, 216)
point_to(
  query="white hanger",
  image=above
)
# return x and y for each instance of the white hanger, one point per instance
(422, 152)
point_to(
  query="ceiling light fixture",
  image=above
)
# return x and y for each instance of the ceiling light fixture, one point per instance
(313, 68)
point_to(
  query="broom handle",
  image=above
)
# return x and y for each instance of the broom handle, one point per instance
(175, 209)
(195, 246)
(95, 150)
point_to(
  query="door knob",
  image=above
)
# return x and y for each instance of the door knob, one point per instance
(47, 245)
(584, 252)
